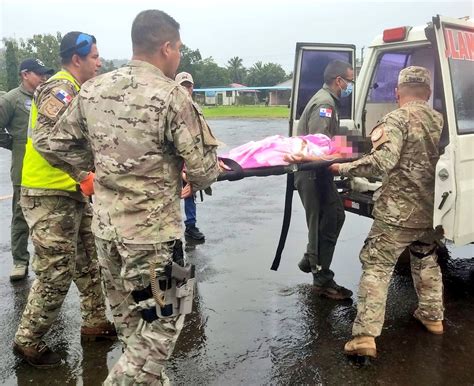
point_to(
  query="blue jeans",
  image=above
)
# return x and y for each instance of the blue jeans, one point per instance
(190, 211)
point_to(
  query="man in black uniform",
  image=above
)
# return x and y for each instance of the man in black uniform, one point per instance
(324, 210)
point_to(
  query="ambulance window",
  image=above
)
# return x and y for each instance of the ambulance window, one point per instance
(313, 63)
(383, 85)
(462, 81)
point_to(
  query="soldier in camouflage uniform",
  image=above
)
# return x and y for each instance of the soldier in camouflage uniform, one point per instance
(59, 216)
(14, 112)
(138, 127)
(405, 152)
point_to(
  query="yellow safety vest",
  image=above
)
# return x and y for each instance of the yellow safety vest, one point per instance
(37, 172)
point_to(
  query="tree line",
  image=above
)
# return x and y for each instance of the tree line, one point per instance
(205, 71)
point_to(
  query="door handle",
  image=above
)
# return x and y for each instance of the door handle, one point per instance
(444, 197)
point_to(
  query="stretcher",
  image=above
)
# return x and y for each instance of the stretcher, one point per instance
(270, 157)
(238, 173)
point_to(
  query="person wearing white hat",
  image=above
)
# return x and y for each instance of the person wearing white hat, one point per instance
(186, 80)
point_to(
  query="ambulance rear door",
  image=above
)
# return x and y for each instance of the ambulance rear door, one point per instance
(454, 186)
(311, 60)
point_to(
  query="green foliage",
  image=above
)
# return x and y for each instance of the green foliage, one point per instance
(189, 58)
(107, 66)
(11, 65)
(208, 74)
(3, 73)
(43, 47)
(268, 74)
(237, 71)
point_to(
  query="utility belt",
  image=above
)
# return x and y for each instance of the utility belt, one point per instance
(171, 289)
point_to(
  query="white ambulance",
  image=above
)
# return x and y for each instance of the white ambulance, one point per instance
(446, 47)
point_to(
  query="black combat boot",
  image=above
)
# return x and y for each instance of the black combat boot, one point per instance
(304, 264)
(193, 232)
(332, 290)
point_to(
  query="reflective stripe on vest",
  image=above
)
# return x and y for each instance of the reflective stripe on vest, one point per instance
(37, 172)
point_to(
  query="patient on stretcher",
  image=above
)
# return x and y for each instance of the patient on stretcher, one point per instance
(279, 150)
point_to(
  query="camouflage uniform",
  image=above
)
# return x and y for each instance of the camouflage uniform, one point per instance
(323, 206)
(60, 227)
(141, 127)
(405, 152)
(14, 111)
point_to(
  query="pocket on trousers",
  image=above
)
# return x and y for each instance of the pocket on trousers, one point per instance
(27, 202)
(153, 368)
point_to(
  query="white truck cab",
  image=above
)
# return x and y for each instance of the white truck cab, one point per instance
(446, 47)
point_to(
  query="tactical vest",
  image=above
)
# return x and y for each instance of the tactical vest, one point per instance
(37, 172)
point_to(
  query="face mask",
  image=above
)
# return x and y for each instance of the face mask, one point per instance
(348, 90)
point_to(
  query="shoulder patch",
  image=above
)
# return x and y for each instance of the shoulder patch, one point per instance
(51, 108)
(28, 104)
(378, 136)
(325, 112)
(63, 96)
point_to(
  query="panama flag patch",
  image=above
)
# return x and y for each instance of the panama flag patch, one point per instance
(63, 96)
(325, 112)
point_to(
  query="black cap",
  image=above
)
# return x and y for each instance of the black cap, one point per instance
(35, 65)
(76, 42)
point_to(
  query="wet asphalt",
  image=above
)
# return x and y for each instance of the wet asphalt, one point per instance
(254, 326)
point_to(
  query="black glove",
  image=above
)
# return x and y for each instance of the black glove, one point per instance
(6, 140)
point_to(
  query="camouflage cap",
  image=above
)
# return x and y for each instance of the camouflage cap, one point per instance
(414, 74)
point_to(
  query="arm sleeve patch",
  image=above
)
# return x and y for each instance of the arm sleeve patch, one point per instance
(51, 108)
(378, 136)
(325, 112)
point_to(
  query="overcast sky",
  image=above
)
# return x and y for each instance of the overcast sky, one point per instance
(253, 30)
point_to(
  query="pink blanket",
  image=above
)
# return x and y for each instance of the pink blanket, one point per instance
(271, 150)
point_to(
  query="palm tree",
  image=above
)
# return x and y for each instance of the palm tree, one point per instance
(237, 71)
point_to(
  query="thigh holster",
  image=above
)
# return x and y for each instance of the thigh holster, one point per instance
(171, 289)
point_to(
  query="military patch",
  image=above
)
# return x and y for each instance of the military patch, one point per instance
(378, 136)
(51, 108)
(325, 112)
(28, 104)
(63, 96)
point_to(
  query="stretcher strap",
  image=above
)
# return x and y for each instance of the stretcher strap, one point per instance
(237, 172)
(290, 186)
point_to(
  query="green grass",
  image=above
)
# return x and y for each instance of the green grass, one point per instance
(246, 111)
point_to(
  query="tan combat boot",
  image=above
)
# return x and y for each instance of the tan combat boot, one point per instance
(19, 272)
(361, 346)
(39, 356)
(433, 326)
(105, 331)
